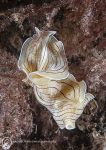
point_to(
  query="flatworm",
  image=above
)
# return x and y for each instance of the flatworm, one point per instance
(43, 60)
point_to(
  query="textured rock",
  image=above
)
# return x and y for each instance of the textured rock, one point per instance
(15, 113)
(81, 25)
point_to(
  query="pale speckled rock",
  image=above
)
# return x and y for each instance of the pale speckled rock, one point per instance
(15, 114)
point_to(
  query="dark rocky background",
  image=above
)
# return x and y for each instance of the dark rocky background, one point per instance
(81, 25)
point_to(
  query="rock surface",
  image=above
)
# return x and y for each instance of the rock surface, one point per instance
(81, 26)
